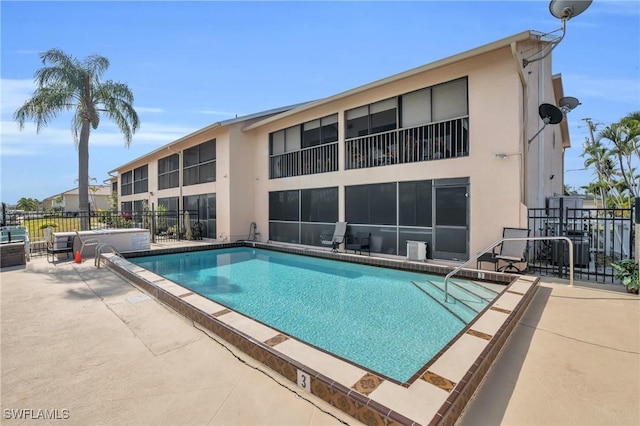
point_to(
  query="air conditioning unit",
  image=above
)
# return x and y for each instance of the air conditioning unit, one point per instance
(416, 250)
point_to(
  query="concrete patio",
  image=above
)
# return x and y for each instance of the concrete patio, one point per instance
(82, 344)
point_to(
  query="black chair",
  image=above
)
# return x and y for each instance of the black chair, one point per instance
(358, 242)
(508, 252)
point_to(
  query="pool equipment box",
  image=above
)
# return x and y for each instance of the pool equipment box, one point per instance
(123, 240)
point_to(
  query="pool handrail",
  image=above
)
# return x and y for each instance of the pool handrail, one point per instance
(500, 241)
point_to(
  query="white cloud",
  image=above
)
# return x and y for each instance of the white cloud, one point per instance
(14, 93)
(216, 112)
(148, 109)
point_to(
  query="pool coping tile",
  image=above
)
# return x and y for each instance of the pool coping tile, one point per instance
(436, 395)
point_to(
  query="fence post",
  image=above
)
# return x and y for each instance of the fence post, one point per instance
(637, 226)
(89, 216)
(153, 223)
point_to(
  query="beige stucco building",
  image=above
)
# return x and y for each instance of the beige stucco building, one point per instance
(443, 153)
(69, 201)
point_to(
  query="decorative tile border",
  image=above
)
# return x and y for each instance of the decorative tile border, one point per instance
(359, 400)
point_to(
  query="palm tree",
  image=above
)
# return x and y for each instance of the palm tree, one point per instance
(67, 84)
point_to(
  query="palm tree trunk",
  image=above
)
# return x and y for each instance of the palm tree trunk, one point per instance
(83, 175)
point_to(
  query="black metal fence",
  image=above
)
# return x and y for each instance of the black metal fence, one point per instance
(163, 225)
(599, 236)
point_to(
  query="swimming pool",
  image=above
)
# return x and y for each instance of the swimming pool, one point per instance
(385, 320)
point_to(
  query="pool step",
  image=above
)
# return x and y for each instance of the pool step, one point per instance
(463, 314)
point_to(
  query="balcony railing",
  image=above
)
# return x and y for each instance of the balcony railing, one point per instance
(307, 161)
(434, 141)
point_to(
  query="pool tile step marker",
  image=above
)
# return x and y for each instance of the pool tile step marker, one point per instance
(222, 312)
(367, 384)
(504, 311)
(515, 292)
(186, 294)
(479, 334)
(276, 340)
(439, 381)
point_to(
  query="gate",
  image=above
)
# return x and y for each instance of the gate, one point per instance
(599, 236)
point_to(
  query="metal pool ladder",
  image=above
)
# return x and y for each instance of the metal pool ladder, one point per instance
(501, 240)
(100, 249)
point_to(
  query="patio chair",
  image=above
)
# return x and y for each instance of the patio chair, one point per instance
(360, 241)
(338, 236)
(54, 249)
(508, 253)
(86, 242)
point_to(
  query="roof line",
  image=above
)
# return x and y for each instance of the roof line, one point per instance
(223, 123)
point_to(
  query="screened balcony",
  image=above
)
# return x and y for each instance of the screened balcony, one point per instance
(433, 141)
(306, 161)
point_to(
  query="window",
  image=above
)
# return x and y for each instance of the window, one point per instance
(321, 131)
(199, 163)
(450, 100)
(169, 172)
(141, 179)
(170, 203)
(114, 188)
(126, 183)
(202, 208)
(126, 208)
(414, 203)
(370, 119)
(371, 204)
(416, 108)
(284, 205)
(319, 205)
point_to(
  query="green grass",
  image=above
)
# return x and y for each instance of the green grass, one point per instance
(37, 227)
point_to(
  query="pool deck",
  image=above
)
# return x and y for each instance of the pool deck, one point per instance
(84, 340)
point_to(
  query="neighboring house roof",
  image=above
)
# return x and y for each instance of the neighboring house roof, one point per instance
(223, 123)
(523, 36)
(102, 190)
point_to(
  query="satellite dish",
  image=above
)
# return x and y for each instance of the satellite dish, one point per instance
(550, 114)
(568, 103)
(567, 9)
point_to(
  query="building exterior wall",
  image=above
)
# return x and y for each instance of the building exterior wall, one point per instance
(506, 174)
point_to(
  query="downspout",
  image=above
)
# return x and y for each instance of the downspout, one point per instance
(523, 131)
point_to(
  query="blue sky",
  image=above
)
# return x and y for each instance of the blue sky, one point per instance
(190, 64)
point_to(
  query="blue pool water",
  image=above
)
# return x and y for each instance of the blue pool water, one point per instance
(374, 317)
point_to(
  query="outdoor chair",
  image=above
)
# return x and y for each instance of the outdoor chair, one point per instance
(54, 249)
(337, 238)
(508, 253)
(358, 242)
(86, 242)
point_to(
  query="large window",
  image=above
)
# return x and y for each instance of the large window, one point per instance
(374, 118)
(301, 216)
(169, 172)
(126, 183)
(371, 204)
(141, 179)
(199, 163)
